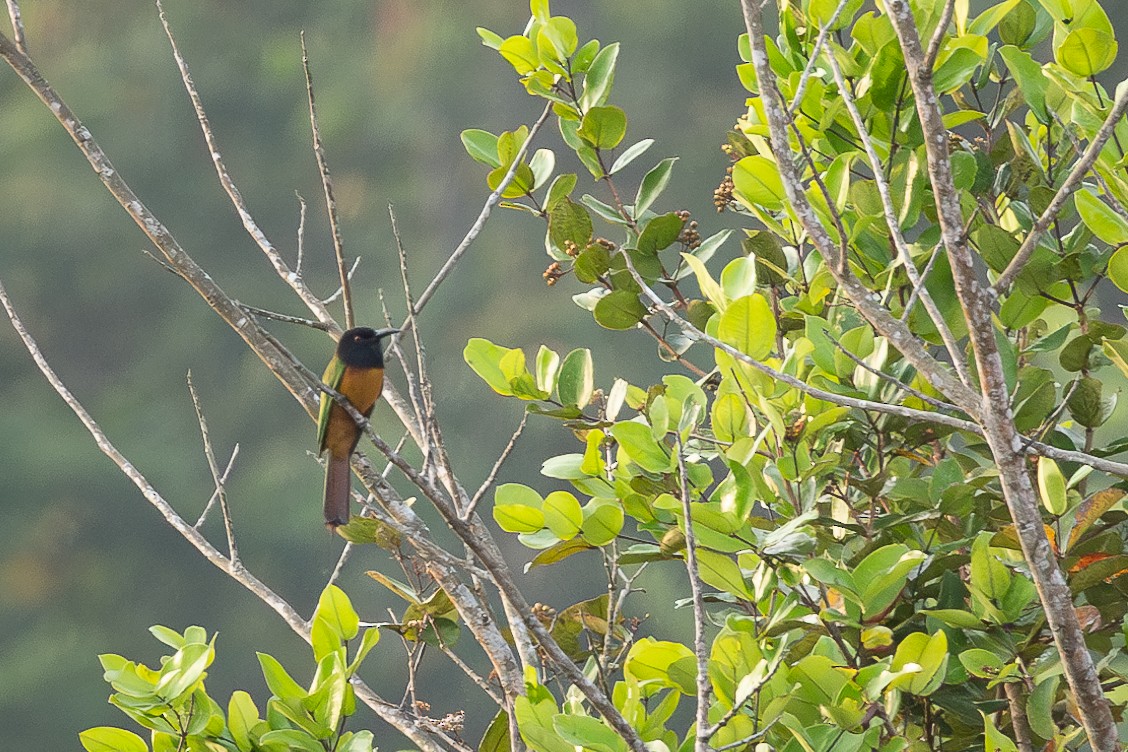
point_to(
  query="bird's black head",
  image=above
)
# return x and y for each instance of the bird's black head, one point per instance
(362, 347)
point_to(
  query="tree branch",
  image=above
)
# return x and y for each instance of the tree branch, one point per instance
(997, 420)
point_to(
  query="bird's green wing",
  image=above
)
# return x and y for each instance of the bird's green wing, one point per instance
(332, 379)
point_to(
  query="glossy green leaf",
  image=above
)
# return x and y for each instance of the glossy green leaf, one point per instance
(521, 54)
(637, 440)
(630, 154)
(588, 733)
(1051, 486)
(569, 224)
(757, 184)
(576, 381)
(481, 146)
(110, 739)
(747, 324)
(563, 514)
(603, 127)
(1030, 79)
(721, 572)
(981, 663)
(279, 681)
(548, 366)
(484, 357)
(1099, 217)
(652, 185)
(928, 655)
(600, 77)
(557, 37)
(619, 309)
(602, 523)
(1086, 52)
(242, 717)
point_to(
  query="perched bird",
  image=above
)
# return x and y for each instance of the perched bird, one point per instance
(357, 373)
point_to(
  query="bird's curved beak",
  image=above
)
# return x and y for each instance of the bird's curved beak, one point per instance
(387, 332)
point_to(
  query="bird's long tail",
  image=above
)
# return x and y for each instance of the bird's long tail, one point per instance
(337, 488)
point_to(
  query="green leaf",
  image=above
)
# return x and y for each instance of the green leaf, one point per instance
(279, 682)
(1086, 52)
(1051, 486)
(748, 325)
(517, 508)
(619, 309)
(481, 146)
(1039, 707)
(653, 183)
(334, 621)
(561, 187)
(576, 381)
(603, 127)
(1117, 352)
(600, 77)
(559, 552)
(548, 366)
(732, 418)
(588, 733)
(981, 663)
(521, 54)
(563, 514)
(721, 572)
(630, 154)
(1105, 223)
(558, 35)
(738, 278)
(368, 641)
(110, 739)
(603, 521)
(568, 222)
(882, 574)
(996, 741)
(484, 357)
(929, 655)
(638, 441)
(660, 232)
(584, 56)
(489, 38)
(1030, 79)
(496, 738)
(709, 287)
(242, 717)
(757, 184)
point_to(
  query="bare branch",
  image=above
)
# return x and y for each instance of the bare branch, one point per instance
(700, 649)
(327, 184)
(18, 33)
(301, 233)
(996, 418)
(215, 494)
(292, 278)
(1070, 184)
(480, 222)
(938, 35)
(492, 475)
(955, 352)
(265, 314)
(340, 290)
(220, 488)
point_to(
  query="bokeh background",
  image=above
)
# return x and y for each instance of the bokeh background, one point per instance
(86, 565)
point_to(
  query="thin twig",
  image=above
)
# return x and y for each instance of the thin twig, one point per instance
(891, 221)
(938, 35)
(215, 494)
(700, 649)
(1072, 181)
(301, 233)
(293, 279)
(220, 487)
(483, 215)
(492, 475)
(18, 33)
(809, 68)
(340, 290)
(327, 184)
(285, 317)
(938, 404)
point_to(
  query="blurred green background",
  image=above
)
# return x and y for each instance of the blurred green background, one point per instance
(86, 565)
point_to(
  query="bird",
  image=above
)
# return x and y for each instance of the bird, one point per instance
(357, 373)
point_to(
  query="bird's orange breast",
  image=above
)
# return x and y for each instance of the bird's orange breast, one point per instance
(362, 386)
